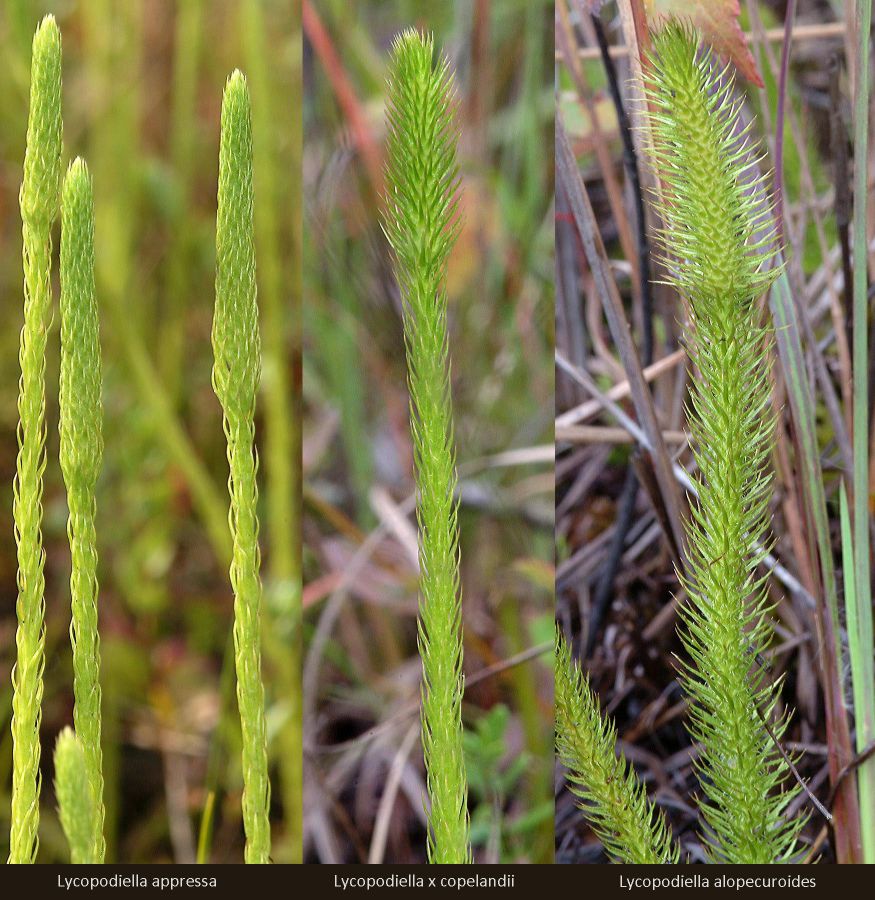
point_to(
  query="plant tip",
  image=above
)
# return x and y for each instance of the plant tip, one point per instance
(47, 37)
(65, 736)
(77, 168)
(236, 80)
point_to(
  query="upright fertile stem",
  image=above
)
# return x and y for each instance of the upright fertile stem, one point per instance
(81, 452)
(630, 827)
(236, 371)
(715, 215)
(39, 206)
(421, 224)
(76, 802)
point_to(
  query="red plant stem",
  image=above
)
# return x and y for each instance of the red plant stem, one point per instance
(846, 818)
(779, 125)
(639, 17)
(349, 103)
(845, 809)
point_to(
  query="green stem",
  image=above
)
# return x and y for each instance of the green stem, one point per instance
(713, 207)
(615, 800)
(39, 205)
(236, 373)
(81, 452)
(421, 224)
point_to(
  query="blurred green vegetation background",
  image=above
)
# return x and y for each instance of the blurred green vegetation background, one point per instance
(363, 764)
(143, 84)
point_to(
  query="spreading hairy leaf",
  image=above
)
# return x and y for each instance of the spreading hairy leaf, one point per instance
(717, 20)
(719, 245)
(612, 796)
(421, 224)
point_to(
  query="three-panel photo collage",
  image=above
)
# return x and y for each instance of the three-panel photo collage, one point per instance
(437, 432)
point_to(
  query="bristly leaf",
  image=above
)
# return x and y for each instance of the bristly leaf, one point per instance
(716, 235)
(421, 224)
(614, 800)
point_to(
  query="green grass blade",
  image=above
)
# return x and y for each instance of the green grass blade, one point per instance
(188, 41)
(278, 261)
(785, 317)
(205, 833)
(865, 715)
(860, 659)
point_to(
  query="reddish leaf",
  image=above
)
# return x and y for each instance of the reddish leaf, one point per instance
(717, 20)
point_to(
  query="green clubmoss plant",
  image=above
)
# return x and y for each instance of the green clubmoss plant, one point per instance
(39, 197)
(76, 801)
(81, 452)
(236, 371)
(718, 244)
(421, 224)
(615, 801)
